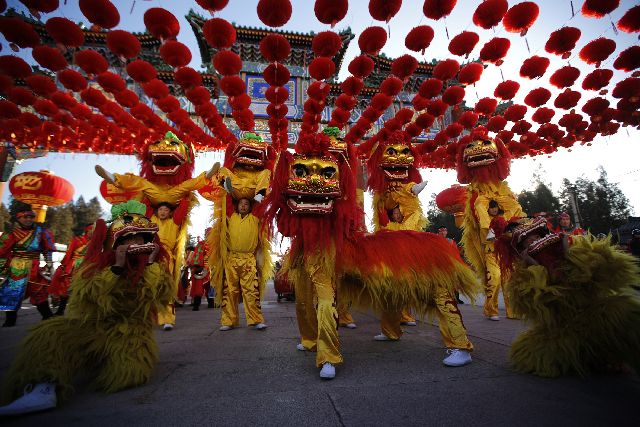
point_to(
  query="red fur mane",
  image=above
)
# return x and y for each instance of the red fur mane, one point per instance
(184, 173)
(495, 172)
(378, 181)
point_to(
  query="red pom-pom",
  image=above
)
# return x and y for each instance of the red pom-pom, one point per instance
(111, 82)
(437, 107)
(567, 99)
(489, 13)
(46, 107)
(595, 106)
(597, 50)
(326, 43)
(628, 88)
(463, 43)
(155, 89)
(599, 8)
(404, 66)
(404, 116)
(72, 80)
(446, 69)
(318, 90)
(91, 61)
(277, 94)
(495, 50)
(470, 73)
(384, 10)
(468, 119)
(436, 9)
(276, 74)
(506, 90)
(430, 88)
(352, 86)
(453, 95)
(30, 120)
(561, 42)
(340, 117)
(496, 123)
(521, 17)
(161, 23)
(200, 95)
(486, 106)
(564, 77)
(233, 85)
(187, 78)
(100, 12)
(123, 44)
(227, 62)
(425, 120)
(127, 98)
(213, 5)
(372, 39)
(537, 97)
(419, 38)
(543, 116)
(380, 102)
(331, 11)
(19, 32)
(278, 111)
(22, 97)
(219, 33)
(65, 32)
(243, 101)
(515, 112)
(454, 130)
(521, 127)
(141, 71)
(168, 104)
(9, 110)
(630, 22)
(361, 66)
(534, 67)
(93, 97)
(322, 68)
(413, 130)
(14, 67)
(419, 102)
(391, 86)
(175, 53)
(274, 13)
(628, 60)
(597, 79)
(49, 57)
(6, 83)
(275, 47)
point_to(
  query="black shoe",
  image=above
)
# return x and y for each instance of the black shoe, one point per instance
(196, 303)
(45, 310)
(10, 319)
(61, 307)
(460, 301)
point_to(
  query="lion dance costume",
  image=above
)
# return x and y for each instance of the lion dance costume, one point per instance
(484, 163)
(167, 167)
(313, 202)
(576, 295)
(108, 327)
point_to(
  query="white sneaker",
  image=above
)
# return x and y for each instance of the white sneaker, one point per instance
(409, 323)
(300, 347)
(457, 357)
(260, 326)
(167, 327)
(328, 371)
(37, 398)
(381, 337)
(350, 326)
(494, 318)
(225, 328)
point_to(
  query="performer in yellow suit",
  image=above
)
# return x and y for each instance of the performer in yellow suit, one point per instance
(241, 270)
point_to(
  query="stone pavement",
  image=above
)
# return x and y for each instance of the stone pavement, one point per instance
(247, 377)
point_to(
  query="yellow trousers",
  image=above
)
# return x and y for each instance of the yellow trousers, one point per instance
(317, 314)
(452, 329)
(390, 322)
(344, 315)
(167, 315)
(241, 276)
(492, 284)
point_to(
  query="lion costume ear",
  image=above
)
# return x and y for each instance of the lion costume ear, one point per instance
(98, 239)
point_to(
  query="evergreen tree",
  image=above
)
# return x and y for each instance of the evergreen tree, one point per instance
(5, 219)
(541, 199)
(60, 222)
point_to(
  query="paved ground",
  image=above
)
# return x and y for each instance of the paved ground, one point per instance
(246, 377)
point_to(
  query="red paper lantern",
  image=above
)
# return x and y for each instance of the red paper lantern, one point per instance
(361, 66)
(404, 66)
(161, 23)
(141, 71)
(155, 89)
(352, 86)
(463, 43)
(14, 67)
(41, 189)
(391, 86)
(515, 112)
(489, 13)
(630, 22)
(116, 195)
(597, 79)
(372, 39)
(567, 99)
(468, 119)
(534, 67)
(9, 110)
(496, 123)
(187, 78)
(100, 12)
(561, 42)
(331, 11)
(495, 50)
(486, 106)
(274, 13)
(175, 53)
(537, 97)
(93, 97)
(227, 62)
(628, 88)
(65, 32)
(111, 82)
(597, 50)
(72, 80)
(17, 31)
(446, 69)
(599, 8)
(595, 106)
(521, 17)
(419, 102)
(219, 33)
(419, 38)
(275, 47)
(384, 10)
(233, 85)
(564, 77)
(628, 60)
(437, 107)
(20, 96)
(49, 57)
(123, 44)
(326, 43)
(91, 61)
(41, 85)
(430, 88)
(437, 9)
(322, 68)
(276, 74)
(470, 73)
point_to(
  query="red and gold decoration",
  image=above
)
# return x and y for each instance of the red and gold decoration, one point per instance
(41, 190)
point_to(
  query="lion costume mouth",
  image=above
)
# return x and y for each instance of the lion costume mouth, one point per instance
(480, 153)
(249, 155)
(395, 172)
(166, 162)
(310, 204)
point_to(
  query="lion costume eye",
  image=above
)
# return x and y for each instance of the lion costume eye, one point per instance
(406, 151)
(300, 171)
(328, 172)
(391, 151)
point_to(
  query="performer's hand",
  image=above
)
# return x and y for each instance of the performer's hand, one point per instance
(106, 175)
(417, 188)
(258, 197)
(214, 170)
(154, 254)
(121, 255)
